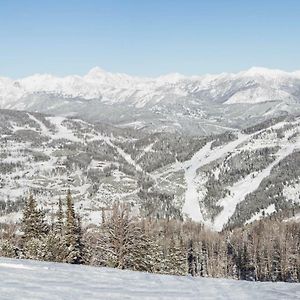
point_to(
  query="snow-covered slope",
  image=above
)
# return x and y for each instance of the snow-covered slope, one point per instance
(221, 180)
(25, 279)
(47, 154)
(172, 102)
(236, 181)
(253, 85)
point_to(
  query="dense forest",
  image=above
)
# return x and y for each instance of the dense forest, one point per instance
(266, 250)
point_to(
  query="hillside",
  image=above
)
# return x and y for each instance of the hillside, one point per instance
(227, 179)
(25, 279)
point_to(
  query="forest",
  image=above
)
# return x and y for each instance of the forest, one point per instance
(265, 250)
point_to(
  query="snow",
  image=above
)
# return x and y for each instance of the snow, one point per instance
(11, 218)
(244, 187)
(296, 218)
(15, 266)
(265, 72)
(52, 175)
(195, 180)
(191, 205)
(44, 130)
(259, 94)
(263, 212)
(135, 125)
(204, 156)
(292, 192)
(62, 132)
(125, 155)
(25, 279)
(113, 88)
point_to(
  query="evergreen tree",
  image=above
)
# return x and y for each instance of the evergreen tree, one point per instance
(176, 262)
(55, 247)
(203, 268)
(33, 224)
(124, 243)
(72, 234)
(59, 225)
(191, 258)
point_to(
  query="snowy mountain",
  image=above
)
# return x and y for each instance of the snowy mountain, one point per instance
(221, 180)
(25, 279)
(117, 88)
(196, 104)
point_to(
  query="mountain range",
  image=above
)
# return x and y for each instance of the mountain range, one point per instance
(219, 149)
(196, 105)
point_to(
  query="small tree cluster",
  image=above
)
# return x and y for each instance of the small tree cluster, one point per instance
(266, 250)
(59, 241)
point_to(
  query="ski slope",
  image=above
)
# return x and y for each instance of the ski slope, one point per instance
(204, 156)
(242, 188)
(25, 279)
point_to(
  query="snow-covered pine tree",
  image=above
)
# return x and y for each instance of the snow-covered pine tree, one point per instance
(176, 261)
(59, 224)
(72, 234)
(115, 237)
(54, 243)
(203, 259)
(138, 252)
(124, 243)
(33, 223)
(7, 249)
(34, 230)
(51, 247)
(191, 258)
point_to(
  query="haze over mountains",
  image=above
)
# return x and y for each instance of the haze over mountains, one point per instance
(195, 105)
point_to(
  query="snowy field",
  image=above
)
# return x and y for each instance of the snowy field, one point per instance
(24, 279)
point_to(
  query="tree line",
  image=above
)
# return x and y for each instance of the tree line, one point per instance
(266, 250)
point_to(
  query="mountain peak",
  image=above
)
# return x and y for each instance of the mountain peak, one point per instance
(96, 72)
(264, 72)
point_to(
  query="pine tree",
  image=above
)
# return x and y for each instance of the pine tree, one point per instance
(33, 224)
(191, 258)
(141, 250)
(116, 237)
(59, 225)
(203, 268)
(176, 262)
(54, 244)
(124, 243)
(54, 247)
(73, 234)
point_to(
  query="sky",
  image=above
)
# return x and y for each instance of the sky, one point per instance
(147, 37)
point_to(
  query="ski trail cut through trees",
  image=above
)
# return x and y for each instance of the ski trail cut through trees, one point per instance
(125, 155)
(204, 156)
(242, 188)
(44, 129)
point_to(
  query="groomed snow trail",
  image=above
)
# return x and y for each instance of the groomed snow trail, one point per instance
(204, 156)
(32, 280)
(125, 155)
(244, 187)
(249, 184)
(44, 130)
(191, 205)
(64, 132)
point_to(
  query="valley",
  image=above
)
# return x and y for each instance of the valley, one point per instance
(208, 179)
